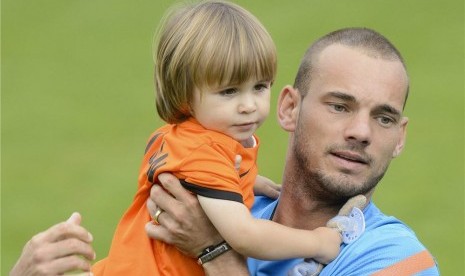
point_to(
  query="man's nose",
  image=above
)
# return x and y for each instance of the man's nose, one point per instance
(359, 129)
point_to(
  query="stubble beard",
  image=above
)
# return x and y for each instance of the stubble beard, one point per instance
(320, 185)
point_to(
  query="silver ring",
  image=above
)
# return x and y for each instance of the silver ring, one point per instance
(157, 214)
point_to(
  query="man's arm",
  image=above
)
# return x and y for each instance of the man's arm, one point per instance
(229, 263)
(184, 224)
(62, 248)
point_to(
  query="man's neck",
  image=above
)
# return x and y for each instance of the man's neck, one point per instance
(301, 212)
(297, 210)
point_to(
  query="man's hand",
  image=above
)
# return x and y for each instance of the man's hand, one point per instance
(182, 223)
(62, 248)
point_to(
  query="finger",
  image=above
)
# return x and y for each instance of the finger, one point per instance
(63, 230)
(151, 205)
(76, 247)
(75, 218)
(358, 201)
(158, 232)
(274, 186)
(165, 218)
(161, 233)
(237, 162)
(161, 199)
(68, 264)
(174, 187)
(68, 247)
(271, 192)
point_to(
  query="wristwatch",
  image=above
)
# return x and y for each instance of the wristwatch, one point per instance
(212, 252)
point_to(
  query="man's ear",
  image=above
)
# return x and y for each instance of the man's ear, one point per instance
(288, 108)
(403, 136)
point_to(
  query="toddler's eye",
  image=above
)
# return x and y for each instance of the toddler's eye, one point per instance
(229, 91)
(261, 87)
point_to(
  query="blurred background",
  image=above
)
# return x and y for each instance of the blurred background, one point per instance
(77, 107)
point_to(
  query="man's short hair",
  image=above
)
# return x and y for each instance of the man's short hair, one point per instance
(368, 41)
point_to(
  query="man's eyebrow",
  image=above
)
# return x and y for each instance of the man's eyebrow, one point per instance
(341, 95)
(385, 108)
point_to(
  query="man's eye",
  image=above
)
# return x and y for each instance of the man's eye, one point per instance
(338, 107)
(385, 121)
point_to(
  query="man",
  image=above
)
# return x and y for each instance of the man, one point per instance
(345, 123)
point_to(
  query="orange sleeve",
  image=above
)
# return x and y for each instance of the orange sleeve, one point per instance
(210, 171)
(409, 266)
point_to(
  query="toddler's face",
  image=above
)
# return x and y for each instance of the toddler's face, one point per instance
(236, 110)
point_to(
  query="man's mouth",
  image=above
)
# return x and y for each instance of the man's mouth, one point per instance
(351, 157)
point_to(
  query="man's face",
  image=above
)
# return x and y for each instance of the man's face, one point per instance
(350, 123)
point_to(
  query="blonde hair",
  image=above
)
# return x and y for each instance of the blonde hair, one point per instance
(208, 44)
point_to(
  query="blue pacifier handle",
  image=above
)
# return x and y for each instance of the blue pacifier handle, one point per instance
(351, 226)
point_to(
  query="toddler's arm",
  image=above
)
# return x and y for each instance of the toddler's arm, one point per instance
(264, 239)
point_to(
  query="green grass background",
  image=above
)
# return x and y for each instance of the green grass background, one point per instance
(77, 107)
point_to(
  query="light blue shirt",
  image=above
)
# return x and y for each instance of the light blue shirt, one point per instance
(385, 242)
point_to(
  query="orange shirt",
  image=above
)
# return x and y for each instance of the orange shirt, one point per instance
(204, 162)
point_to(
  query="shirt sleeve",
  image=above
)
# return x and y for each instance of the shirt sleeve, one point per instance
(390, 250)
(209, 171)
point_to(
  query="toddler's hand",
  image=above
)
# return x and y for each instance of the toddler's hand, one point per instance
(329, 244)
(266, 187)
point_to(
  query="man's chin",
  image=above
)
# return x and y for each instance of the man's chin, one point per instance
(345, 187)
